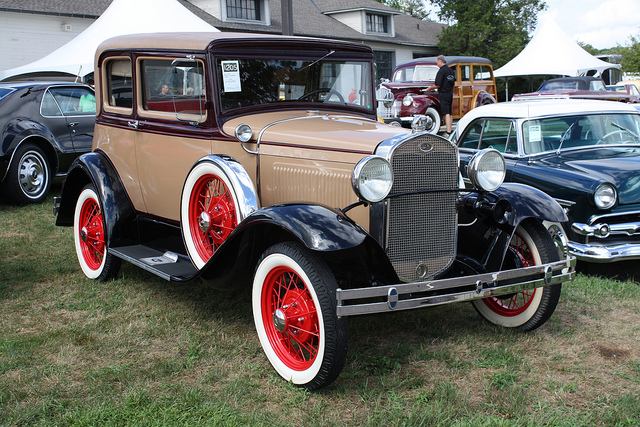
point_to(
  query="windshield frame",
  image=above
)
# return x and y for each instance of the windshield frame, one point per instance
(315, 57)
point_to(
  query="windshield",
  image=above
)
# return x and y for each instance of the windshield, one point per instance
(5, 91)
(250, 82)
(419, 73)
(580, 131)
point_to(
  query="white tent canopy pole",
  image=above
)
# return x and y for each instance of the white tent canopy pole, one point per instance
(76, 58)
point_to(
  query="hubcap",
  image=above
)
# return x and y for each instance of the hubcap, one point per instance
(83, 234)
(204, 222)
(280, 320)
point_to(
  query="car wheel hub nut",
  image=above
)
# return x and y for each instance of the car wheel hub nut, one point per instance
(83, 234)
(204, 222)
(280, 320)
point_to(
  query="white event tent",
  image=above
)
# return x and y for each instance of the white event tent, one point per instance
(551, 52)
(76, 58)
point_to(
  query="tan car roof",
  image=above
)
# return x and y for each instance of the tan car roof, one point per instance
(197, 41)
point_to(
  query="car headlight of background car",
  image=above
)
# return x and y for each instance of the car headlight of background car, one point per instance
(605, 196)
(372, 179)
(407, 101)
(487, 170)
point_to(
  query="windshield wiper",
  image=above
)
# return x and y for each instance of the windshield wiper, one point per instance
(622, 128)
(562, 138)
(318, 60)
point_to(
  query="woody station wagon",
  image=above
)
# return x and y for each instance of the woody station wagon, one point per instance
(244, 160)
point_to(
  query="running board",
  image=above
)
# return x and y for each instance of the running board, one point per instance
(167, 265)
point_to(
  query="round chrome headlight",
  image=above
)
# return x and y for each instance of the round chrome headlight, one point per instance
(244, 132)
(487, 169)
(407, 101)
(605, 196)
(372, 179)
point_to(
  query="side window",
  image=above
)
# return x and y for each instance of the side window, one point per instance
(465, 73)
(471, 138)
(496, 135)
(49, 106)
(118, 89)
(173, 86)
(74, 101)
(481, 72)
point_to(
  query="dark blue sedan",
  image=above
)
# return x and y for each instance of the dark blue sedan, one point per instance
(44, 126)
(585, 154)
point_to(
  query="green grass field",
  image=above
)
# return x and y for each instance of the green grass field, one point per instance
(139, 351)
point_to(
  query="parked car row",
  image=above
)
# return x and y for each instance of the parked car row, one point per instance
(581, 87)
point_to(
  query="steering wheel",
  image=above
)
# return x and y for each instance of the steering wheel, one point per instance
(602, 141)
(330, 92)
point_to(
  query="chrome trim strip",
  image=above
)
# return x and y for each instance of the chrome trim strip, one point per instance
(590, 253)
(485, 285)
(596, 218)
(629, 229)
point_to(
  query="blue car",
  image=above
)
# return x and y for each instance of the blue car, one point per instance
(44, 127)
(585, 154)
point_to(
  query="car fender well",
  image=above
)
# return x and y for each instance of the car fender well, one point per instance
(94, 168)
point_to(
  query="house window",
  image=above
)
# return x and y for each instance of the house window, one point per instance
(244, 9)
(384, 64)
(377, 23)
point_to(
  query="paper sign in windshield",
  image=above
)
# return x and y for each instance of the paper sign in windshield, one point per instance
(535, 133)
(231, 76)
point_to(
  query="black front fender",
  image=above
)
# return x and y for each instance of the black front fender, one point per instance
(325, 231)
(489, 220)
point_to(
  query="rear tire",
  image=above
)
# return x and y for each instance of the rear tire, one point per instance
(90, 238)
(28, 177)
(294, 310)
(528, 309)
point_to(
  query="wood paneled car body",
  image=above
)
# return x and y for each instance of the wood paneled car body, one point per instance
(238, 159)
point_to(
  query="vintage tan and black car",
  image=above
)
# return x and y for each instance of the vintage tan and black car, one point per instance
(246, 160)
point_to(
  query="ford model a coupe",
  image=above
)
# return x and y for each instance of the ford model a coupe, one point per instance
(243, 160)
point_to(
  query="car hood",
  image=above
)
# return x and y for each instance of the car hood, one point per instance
(618, 166)
(579, 94)
(317, 130)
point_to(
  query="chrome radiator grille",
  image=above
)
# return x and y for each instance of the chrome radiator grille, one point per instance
(422, 228)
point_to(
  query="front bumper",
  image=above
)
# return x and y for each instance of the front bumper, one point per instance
(407, 296)
(605, 253)
(590, 253)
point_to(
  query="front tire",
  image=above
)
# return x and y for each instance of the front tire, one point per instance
(90, 238)
(294, 311)
(528, 309)
(29, 176)
(435, 117)
(209, 211)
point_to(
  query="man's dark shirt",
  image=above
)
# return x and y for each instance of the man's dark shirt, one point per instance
(445, 80)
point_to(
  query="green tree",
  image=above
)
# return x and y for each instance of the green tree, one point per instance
(631, 55)
(495, 29)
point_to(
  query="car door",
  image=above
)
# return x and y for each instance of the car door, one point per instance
(78, 106)
(499, 134)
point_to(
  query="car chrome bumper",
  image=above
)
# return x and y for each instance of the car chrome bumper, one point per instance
(612, 253)
(353, 302)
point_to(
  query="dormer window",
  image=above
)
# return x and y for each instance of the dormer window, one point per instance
(249, 10)
(378, 23)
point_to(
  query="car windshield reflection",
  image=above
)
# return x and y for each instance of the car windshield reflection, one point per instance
(559, 133)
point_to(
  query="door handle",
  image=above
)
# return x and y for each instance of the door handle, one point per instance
(73, 124)
(133, 124)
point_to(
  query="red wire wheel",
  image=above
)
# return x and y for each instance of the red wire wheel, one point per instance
(212, 214)
(92, 243)
(517, 303)
(290, 318)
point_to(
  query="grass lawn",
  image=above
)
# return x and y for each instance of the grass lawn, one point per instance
(139, 351)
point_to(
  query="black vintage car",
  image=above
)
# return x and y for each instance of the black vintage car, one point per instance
(45, 126)
(585, 154)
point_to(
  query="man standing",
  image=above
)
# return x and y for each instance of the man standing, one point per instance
(445, 80)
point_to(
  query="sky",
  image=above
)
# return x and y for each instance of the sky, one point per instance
(600, 23)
